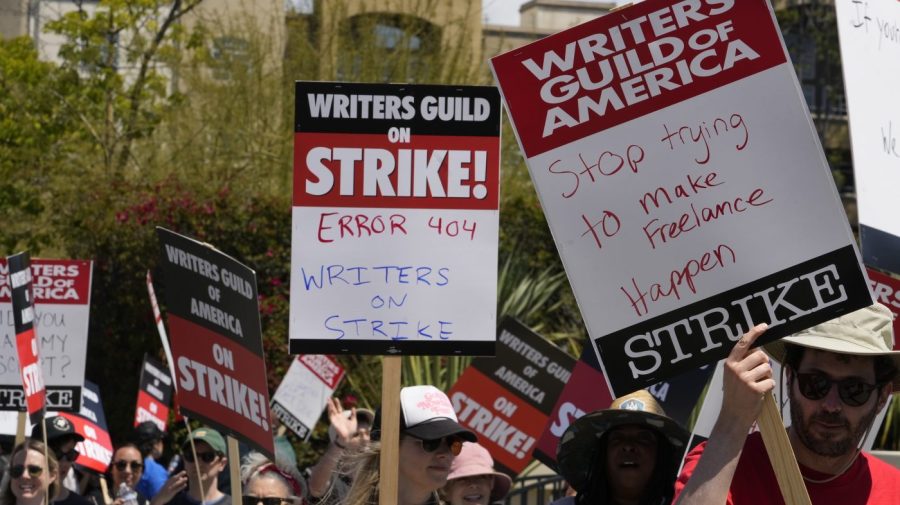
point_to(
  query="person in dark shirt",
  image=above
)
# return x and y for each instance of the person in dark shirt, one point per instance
(198, 483)
(62, 439)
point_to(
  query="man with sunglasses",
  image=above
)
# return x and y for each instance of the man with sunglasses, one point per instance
(838, 375)
(61, 439)
(198, 483)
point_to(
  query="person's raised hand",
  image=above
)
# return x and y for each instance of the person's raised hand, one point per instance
(747, 377)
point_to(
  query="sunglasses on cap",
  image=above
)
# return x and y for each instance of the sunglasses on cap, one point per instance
(271, 500)
(17, 471)
(71, 455)
(816, 385)
(453, 443)
(206, 457)
(121, 465)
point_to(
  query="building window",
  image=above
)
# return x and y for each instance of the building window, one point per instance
(387, 48)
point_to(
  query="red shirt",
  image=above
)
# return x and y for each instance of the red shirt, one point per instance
(868, 480)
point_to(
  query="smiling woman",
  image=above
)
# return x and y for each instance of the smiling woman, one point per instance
(32, 475)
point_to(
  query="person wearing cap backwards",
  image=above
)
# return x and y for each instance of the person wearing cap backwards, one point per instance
(198, 483)
(349, 431)
(472, 478)
(149, 439)
(430, 437)
(627, 454)
(61, 439)
(838, 375)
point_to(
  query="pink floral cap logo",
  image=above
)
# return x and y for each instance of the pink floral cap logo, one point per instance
(425, 403)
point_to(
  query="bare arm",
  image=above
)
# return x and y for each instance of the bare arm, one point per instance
(347, 436)
(747, 377)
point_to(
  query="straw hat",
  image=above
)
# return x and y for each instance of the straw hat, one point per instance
(476, 460)
(578, 446)
(865, 332)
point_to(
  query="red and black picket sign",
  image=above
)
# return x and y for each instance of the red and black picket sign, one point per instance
(154, 394)
(214, 326)
(20, 281)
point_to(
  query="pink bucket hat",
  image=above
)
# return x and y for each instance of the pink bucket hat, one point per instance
(476, 460)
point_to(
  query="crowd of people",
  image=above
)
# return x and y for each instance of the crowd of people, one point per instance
(837, 376)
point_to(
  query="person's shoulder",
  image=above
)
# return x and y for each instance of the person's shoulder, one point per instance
(880, 466)
(566, 500)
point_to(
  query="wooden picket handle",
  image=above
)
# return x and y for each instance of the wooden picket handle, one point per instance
(781, 455)
(20, 427)
(390, 431)
(234, 468)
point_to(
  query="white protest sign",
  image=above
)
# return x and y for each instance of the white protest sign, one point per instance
(304, 391)
(395, 219)
(678, 168)
(62, 302)
(869, 34)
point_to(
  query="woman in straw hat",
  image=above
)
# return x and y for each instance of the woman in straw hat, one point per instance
(625, 455)
(472, 479)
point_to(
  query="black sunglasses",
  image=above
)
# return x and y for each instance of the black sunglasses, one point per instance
(121, 465)
(454, 443)
(853, 392)
(271, 500)
(206, 457)
(17, 471)
(71, 455)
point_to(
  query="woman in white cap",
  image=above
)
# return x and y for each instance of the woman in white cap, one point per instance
(625, 455)
(430, 437)
(472, 479)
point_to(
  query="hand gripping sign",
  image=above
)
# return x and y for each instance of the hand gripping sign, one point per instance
(216, 339)
(61, 308)
(678, 168)
(395, 219)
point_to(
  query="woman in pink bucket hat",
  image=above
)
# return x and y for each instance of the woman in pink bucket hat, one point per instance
(472, 479)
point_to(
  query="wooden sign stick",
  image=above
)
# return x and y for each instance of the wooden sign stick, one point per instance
(234, 468)
(390, 431)
(780, 454)
(20, 427)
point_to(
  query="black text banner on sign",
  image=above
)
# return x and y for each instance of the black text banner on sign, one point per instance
(870, 47)
(61, 310)
(678, 168)
(395, 219)
(214, 326)
(154, 394)
(507, 399)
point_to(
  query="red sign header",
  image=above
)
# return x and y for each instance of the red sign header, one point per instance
(630, 63)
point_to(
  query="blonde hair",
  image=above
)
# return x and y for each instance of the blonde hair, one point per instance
(363, 466)
(7, 497)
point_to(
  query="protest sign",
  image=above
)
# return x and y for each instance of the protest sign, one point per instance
(395, 219)
(869, 34)
(586, 392)
(154, 394)
(96, 451)
(213, 319)
(887, 292)
(22, 301)
(62, 301)
(303, 393)
(506, 400)
(676, 163)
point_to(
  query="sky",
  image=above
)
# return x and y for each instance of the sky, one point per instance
(506, 12)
